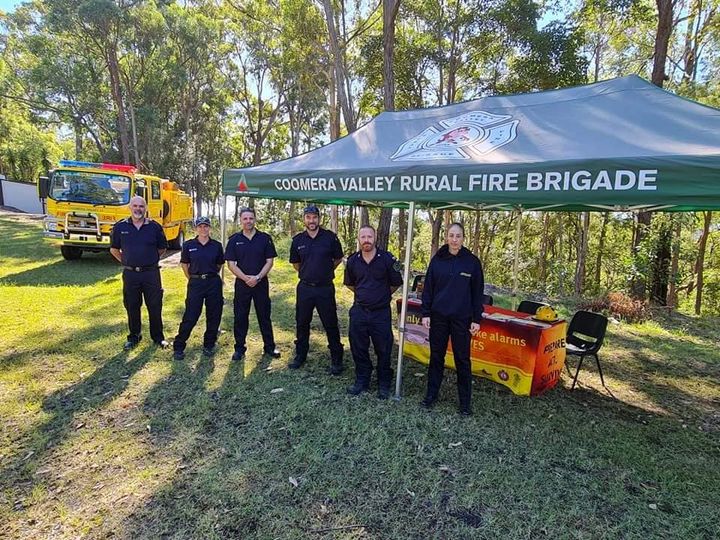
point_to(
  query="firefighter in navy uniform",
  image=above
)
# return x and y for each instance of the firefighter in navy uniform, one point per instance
(315, 253)
(452, 307)
(250, 255)
(373, 275)
(137, 242)
(201, 261)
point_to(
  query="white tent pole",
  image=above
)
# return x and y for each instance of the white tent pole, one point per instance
(405, 288)
(223, 228)
(516, 263)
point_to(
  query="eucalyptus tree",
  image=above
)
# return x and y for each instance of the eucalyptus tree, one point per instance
(99, 27)
(59, 80)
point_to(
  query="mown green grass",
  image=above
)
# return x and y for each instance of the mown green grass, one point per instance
(98, 443)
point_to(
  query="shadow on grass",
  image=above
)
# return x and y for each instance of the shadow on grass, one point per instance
(309, 460)
(62, 273)
(23, 242)
(90, 270)
(671, 371)
(91, 393)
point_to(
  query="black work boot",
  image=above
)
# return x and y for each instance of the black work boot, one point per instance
(336, 366)
(357, 388)
(296, 362)
(428, 401)
(465, 409)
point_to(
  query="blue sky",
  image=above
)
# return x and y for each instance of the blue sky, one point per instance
(8, 5)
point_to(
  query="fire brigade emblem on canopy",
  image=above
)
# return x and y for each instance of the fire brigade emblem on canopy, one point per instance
(477, 132)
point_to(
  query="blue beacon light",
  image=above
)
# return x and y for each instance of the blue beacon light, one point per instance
(72, 163)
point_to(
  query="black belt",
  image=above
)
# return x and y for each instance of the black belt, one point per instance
(141, 268)
(316, 283)
(373, 308)
(202, 276)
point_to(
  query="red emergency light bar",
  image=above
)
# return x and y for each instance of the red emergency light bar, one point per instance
(107, 166)
(122, 168)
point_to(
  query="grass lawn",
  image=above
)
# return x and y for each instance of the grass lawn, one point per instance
(98, 443)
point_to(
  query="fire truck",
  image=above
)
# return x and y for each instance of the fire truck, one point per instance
(84, 201)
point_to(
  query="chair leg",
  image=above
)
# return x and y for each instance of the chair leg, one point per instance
(577, 371)
(567, 366)
(597, 361)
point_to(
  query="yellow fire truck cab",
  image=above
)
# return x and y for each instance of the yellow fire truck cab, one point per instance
(85, 200)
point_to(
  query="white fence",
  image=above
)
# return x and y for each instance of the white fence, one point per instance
(21, 196)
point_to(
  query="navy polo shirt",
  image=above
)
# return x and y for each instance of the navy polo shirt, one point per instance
(250, 254)
(139, 246)
(316, 256)
(373, 280)
(203, 259)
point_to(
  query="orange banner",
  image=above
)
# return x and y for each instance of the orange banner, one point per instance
(525, 355)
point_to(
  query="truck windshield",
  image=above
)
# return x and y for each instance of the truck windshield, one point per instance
(90, 187)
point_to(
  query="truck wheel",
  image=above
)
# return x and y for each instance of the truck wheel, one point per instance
(177, 243)
(71, 253)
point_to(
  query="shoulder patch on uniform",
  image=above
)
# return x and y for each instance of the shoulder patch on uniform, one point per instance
(397, 265)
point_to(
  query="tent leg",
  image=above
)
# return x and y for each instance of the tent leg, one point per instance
(403, 308)
(223, 228)
(516, 263)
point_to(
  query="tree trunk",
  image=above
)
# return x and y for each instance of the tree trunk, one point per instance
(690, 50)
(672, 296)
(136, 154)
(364, 216)
(436, 222)
(662, 40)
(661, 266)
(700, 264)
(78, 140)
(340, 71)
(292, 224)
(582, 249)
(476, 234)
(351, 219)
(114, 70)
(383, 230)
(402, 231)
(601, 249)
(334, 218)
(638, 287)
(390, 10)
(544, 244)
(333, 110)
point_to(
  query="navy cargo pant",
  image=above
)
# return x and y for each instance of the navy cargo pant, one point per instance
(147, 285)
(371, 325)
(322, 298)
(201, 291)
(442, 328)
(260, 296)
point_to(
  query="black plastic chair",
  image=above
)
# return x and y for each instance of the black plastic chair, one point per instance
(585, 336)
(529, 306)
(487, 300)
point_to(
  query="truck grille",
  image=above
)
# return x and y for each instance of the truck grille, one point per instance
(75, 223)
